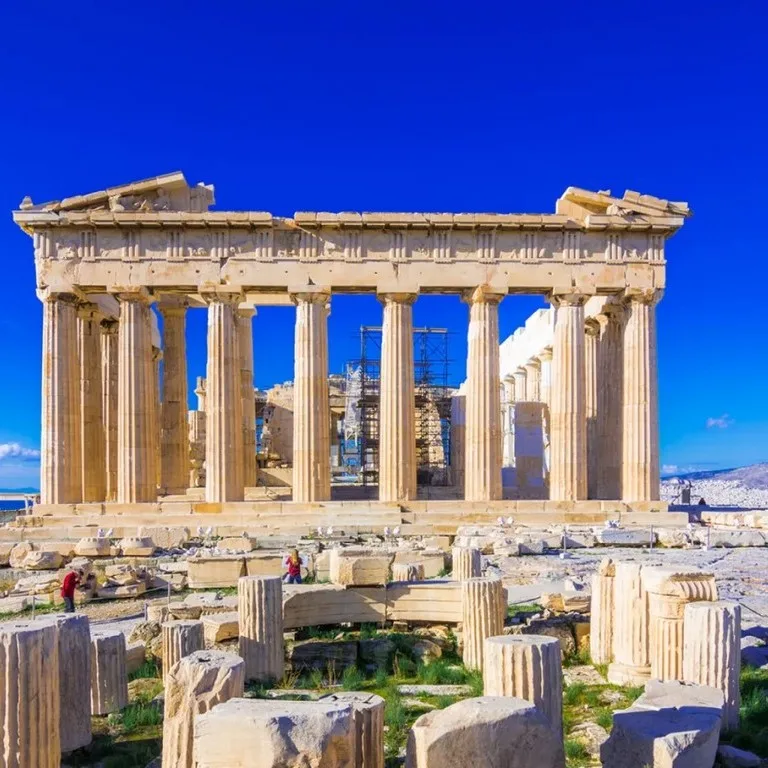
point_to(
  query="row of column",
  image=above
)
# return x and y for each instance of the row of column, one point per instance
(600, 393)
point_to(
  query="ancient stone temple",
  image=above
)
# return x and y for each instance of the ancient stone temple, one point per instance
(115, 429)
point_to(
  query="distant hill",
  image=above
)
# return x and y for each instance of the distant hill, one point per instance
(753, 476)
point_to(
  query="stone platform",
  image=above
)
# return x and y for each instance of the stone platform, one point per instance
(352, 517)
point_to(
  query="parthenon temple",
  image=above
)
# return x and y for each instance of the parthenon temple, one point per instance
(563, 412)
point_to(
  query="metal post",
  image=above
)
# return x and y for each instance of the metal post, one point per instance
(651, 537)
(565, 538)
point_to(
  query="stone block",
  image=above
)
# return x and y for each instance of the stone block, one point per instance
(674, 694)
(109, 675)
(237, 543)
(121, 575)
(135, 546)
(42, 560)
(559, 627)
(266, 564)
(407, 572)
(624, 537)
(18, 554)
(195, 685)
(487, 731)
(566, 602)
(311, 605)
(30, 696)
(163, 536)
(260, 611)
(368, 716)
(208, 572)
(218, 627)
(433, 562)
(156, 612)
(725, 538)
(123, 591)
(428, 601)
(322, 654)
(135, 656)
(275, 734)
(361, 570)
(731, 757)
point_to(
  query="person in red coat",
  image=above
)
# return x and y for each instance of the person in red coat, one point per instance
(293, 565)
(71, 580)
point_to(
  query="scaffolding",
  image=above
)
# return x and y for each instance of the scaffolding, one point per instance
(432, 404)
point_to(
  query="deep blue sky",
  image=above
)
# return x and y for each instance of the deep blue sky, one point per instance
(412, 106)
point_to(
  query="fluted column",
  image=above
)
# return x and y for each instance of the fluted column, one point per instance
(482, 479)
(528, 667)
(610, 377)
(136, 462)
(669, 591)
(508, 429)
(601, 613)
(591, 334)
(458, 436)
(224, 402)
(712, 652)
(532, 380)
(60, 416)
(631, 654)
(521, 384)
(640, 456)
(568, 452)
(109, 678)
(260, 615)
(245, 335)
(180, 638)
(157, 416)
(484, 607)
(467, 563)
(545, 391)
(92, 467)
(311, 416)
(397, 436)
(109, 354)
(175, 431)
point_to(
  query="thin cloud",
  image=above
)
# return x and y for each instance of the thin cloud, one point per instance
(16, 451)
(721, 422)
(669, 469)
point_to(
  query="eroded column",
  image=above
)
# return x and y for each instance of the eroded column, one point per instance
(368, 715)
(224, 402)
(175, 430)
(260, 614)
(528, 667)
(194, 686)
(568, 451)
(311, 416)
(610, 416)
(92, 468)
(591, 334)
(29, 693)
(532, 380)
(60, 481)
(631, 657)
(482, 477)
(712, 652)
(483, 610)
(397, 436)
(136, 462)
(180, 638)
(545, 390)
(669, 591)
(245, 336)
(109, 385)
(601, 613)
(467, 563)
(640, 439)
(109, 678)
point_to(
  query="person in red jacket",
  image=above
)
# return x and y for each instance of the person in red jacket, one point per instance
(71, 580)
(293, 564)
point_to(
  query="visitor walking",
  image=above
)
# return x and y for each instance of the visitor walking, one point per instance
(71, 580)
(293, 564)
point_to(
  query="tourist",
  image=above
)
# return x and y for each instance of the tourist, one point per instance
(293, 564)
(71, 580)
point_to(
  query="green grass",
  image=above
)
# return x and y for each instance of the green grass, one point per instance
(752, 733)
(150, 668)
(576, 754)
(524, 608)
(352, 679)
(140, 714)
(578, 658)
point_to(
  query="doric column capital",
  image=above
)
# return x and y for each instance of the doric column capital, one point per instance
(312, 294)
(172, 305)
(221, 294)
(533, 362)
(643, 295)
(520, 371)
(592, 327)
(110, 326)
(545, 356)
(613, 311)
(567, 298)
(47, 295)
(387, 297)
(247, 312)
(483, 294)
(87, 310)
(131, 293)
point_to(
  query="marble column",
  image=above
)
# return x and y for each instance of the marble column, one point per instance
(640, 455)
(175, 431)
(157, 416)
(136, 463)
(109, 354)
(508, 414)
(545, 374)
(397, 435)
(532, 378)
(458, 435)
(60, 434)
(568, 452)
(482, 479)
(224, 402)
(245, 335)
(311, 418)
(591, 334)
(92, 467)
(610, 376)
(521, 384)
